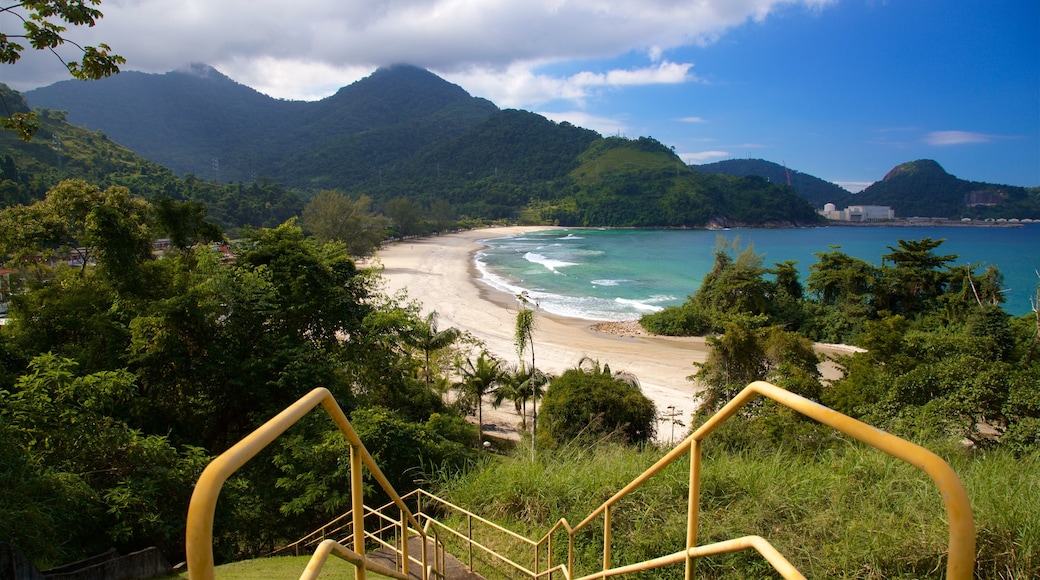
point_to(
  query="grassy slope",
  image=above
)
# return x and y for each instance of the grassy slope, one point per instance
(287, 567)
(849, 512)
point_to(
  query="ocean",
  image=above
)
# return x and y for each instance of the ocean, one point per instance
(621, 274)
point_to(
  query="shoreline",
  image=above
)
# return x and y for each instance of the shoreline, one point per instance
(440, 273)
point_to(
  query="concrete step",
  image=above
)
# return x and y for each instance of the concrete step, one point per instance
(454, 569)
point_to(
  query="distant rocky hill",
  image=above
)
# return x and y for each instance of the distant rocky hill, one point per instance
(914, 189)
(924, 189)
(815, 190)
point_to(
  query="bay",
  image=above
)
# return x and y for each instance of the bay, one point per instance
(621, 274)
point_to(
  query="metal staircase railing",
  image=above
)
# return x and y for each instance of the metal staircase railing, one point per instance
(542, 552)
(199, 534)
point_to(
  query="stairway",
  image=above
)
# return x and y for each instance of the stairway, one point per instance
(454, 569)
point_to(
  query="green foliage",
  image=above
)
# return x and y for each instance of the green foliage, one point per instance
(100, 480)
(43, 26)
(735, 288)
(182, 364)
(315, 473)
(844, 512)
(590, 402)
(330, 215)
(746, 353)
(480, 377)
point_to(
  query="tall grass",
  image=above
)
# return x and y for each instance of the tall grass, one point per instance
(846, 512)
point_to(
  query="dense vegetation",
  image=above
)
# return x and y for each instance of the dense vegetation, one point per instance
(844, 512)
(123, 374)
(941, 356)
(511, 165)
(815, 190)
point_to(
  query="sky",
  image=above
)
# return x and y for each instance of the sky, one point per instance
(841, 89)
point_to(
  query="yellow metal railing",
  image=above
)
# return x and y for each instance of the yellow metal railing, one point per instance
(960, 552)
(961, 546)
(199, 535)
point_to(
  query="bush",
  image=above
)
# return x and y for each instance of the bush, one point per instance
(595, 403)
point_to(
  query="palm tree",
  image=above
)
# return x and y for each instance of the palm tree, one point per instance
(480, 378)
(524, 338)
(519, 387)
(429, 340)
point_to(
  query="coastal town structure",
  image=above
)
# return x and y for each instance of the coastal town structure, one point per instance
(858, 213)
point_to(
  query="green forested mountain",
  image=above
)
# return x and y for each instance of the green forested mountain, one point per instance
(915, 189)
(923, 188)
(642, 183)
(198, 121)
(64, 151)
(817, 191)
(407, 138)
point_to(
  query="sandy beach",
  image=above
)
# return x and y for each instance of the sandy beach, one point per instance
(439, 273)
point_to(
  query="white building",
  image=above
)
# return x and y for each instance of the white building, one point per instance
(858, 213)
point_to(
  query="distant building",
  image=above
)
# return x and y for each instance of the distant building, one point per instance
(859, 213)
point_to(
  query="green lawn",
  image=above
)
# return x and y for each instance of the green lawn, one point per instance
(285, 567)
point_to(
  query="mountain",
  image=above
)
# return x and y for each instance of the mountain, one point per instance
(405, 134)
(924, 189)
(196, 120)
(815, 190)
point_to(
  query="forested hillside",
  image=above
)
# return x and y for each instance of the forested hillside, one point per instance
(427, 155)
(198, 121)
(923, 188)
(815, 190)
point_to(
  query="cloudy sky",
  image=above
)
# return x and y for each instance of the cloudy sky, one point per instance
(841, 89)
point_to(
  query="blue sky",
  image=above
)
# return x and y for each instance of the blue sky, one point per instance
(841, 89)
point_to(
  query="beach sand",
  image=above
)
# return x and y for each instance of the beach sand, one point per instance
(439, 273)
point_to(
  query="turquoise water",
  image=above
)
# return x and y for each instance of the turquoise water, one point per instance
(621, 274)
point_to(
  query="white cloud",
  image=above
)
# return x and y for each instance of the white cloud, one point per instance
(309, 48)
(704, 156)
(692, 120)
(519, 85)
(943, 138)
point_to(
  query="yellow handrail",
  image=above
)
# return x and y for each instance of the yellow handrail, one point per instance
(960, 554)
(199, 533)
(961, 547)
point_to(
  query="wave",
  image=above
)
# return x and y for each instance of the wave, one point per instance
(639, 305)
(608, 282)
(549, 263)
(572, 237)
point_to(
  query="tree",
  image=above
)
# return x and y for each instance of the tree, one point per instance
(109, 483)
(405, 215)
(523, 337)
(521, 386)
(330, 215)
(80, 222)
(429, 340)
(591, 401)
(43, 28)
(185, 223)
(746, 353)
(480, 378)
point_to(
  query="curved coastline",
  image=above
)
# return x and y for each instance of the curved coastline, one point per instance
(441, 274)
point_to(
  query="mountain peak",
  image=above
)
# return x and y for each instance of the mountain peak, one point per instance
(926, 166)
